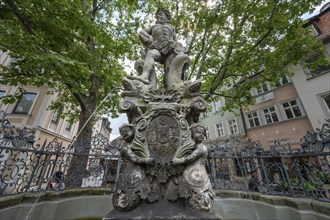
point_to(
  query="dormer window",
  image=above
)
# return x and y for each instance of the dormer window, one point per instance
(314, 29)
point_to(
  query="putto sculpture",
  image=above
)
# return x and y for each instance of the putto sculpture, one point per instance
(132, 185)
(163, 171)
(198, 186)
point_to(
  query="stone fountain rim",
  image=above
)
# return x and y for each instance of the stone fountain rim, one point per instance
(306, 204)
(48, 196)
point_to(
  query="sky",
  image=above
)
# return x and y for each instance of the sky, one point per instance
(316, 11)
(117, 122)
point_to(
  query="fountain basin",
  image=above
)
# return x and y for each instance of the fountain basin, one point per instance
(95, 203)
(84, 203)
(250, 205)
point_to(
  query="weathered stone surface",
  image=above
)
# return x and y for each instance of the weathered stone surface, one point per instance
(301, 204)
(95, 203)
(163, 171)
(163, 210)
(160, 45)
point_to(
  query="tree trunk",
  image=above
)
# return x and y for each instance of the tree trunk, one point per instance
(79, 159)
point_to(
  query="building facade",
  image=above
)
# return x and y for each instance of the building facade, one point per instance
(102, 127)
(313, 84)
(31, 111)
(222, 125)
(284, 112)
(277, 115)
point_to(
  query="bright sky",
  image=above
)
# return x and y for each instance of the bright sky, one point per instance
(115, 124)
(316, 11)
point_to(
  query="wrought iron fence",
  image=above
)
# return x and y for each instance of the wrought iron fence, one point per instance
(25, 166)
(304, 172)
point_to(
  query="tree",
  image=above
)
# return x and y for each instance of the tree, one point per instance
(75, 47)
(232, 40)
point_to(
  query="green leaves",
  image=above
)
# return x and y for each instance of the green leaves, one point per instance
(73, 46)
(232, 39)
(77, 46)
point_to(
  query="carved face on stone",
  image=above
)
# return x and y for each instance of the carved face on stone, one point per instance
(198, 134)
(127, 133)
(163, 16)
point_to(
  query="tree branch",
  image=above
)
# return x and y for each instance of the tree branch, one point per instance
(80, 97)
(222, 70)
(24, 21)
(210, 43)
(205, 36)
(96, 7)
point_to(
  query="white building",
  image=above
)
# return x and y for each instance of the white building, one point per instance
(313, 84)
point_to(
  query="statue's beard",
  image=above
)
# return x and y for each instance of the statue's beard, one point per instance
(162, 20)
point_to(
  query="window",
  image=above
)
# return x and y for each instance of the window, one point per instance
(2, 93)
(282, 81)
(207, 132)
(253, 119)
(54, 121)
(218, 105)
(232, 124)
(204, 114)
(264, 88)
(55, 118)
(68, 126)
(314, 29)
(67, 130)
(313, 68)
(220, 129)
(24, 105)
(326, 99)
(292, 109)
(270, 115)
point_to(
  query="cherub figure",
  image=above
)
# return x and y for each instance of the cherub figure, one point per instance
(200, 194)
(132, 185)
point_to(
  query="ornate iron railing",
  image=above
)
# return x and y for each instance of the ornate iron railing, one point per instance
(304, 172)
(25, 166)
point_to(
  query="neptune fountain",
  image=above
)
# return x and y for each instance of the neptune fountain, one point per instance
(163, 173)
